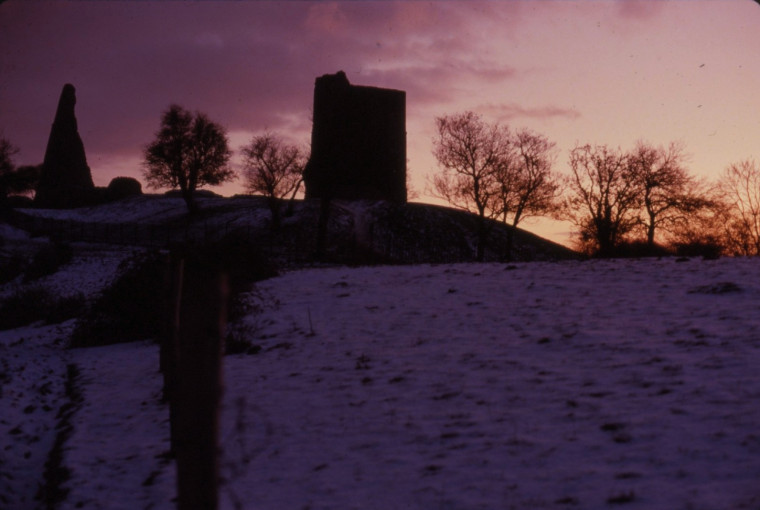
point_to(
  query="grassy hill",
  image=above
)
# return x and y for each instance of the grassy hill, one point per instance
(357, 231)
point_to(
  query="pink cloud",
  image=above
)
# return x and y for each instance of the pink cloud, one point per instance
(508, 112)
(639, 9)
(250, 66)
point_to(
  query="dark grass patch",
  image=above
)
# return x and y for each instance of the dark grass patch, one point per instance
(239, 345)
(716, 288)
(52, 492)
(47, 260)
(130, 309)
(627, 475)
(31, 304)
(622, 498)
(11, 268)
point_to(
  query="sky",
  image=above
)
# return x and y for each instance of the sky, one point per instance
(577, 71)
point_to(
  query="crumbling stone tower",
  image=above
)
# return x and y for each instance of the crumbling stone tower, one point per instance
(358, 142)
(65, 180)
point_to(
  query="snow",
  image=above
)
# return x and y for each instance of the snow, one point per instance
(91, 271)
(32, 378)
(142, 208)
(148, 209)
(121, 434)
(472, 386)
(534, 385)
(34, 367)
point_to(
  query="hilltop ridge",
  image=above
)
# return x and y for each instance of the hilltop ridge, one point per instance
(361, 231)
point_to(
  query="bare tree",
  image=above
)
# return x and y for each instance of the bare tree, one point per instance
(669, 195)
(7, 152)
(527, 184)
(603, 199)
(7, 167)
(739, 188)
(701, 231)
(22, 181)
(273, 168)
(471, 153)
(189, 151)
(15, 180)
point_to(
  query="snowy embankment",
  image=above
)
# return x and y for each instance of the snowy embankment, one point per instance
(37, 372)
(536, 385)
(583, 384)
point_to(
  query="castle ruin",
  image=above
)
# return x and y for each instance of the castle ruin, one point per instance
(358, 142)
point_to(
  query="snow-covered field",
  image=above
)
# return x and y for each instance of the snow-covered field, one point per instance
(536, 385)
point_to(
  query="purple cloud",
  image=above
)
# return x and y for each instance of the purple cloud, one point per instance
(639, 9)
(508, 112)
(249, 65)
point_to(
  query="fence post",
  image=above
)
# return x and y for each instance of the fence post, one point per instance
(169, 353)
(202, 317)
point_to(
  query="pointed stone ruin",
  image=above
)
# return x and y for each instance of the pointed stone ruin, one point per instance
(358, 142)
(65, 180)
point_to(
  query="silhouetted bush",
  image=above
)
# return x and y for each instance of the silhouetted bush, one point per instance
(244, 264)
(706, 249)
(19, 202)
(95, 196)
(35, 303)
(123, 187)
(11, 267)
(199, 193)
(48, 259)
(238, 343)
(637, 249)
(131, 308)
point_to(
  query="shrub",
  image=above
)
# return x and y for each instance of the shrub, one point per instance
(35, 303)
(64, 308)
(134, 306)
(706, 249)
(11, 267)
(240, 335)
(47, 260)
(244, 264)
(19, 201)
(198, 193)
(636, 249)
(123, 187)
(129, 309)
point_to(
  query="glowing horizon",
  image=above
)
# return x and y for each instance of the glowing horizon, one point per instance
(599, 71)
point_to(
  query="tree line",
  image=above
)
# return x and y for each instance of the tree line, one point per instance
(640, 201)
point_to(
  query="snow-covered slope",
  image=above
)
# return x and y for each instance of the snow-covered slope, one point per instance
(533, 385)
(544, 385)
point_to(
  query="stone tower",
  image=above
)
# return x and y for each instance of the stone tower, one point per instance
(65, 180)
(358, 142)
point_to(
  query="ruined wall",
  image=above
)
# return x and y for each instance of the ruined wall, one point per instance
(358, 142)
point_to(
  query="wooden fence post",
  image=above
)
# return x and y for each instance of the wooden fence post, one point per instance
(199, 385)
(169, 353)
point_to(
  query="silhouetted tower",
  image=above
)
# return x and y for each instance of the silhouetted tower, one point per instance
(65, 180)
(358, 142)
